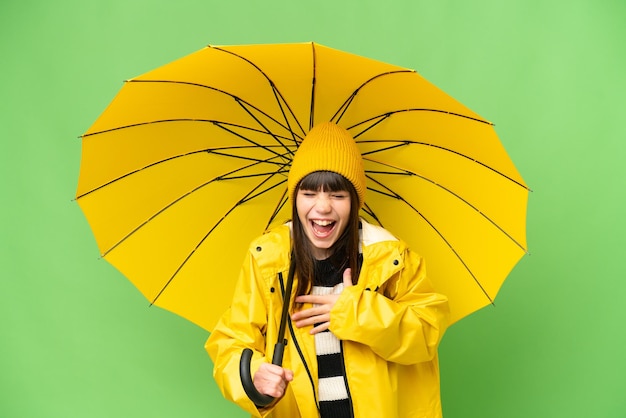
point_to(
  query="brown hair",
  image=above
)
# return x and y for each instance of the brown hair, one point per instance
(345, 251)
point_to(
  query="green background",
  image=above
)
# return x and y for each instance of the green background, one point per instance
(77, 339)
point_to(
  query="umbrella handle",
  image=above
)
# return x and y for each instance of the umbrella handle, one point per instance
(255, 396)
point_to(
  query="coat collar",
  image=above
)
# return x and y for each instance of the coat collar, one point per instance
(382, 252)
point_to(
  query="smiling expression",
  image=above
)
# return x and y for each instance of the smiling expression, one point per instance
(324, 217)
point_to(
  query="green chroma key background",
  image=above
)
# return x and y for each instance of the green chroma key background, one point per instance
(78, 340)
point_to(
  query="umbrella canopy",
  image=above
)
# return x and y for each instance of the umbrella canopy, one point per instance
(189, 163)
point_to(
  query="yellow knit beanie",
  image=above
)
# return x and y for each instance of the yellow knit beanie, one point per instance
(328, 147)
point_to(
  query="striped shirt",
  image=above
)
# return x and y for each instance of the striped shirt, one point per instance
(334, 394)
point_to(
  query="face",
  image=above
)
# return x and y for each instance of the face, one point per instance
(324, 216)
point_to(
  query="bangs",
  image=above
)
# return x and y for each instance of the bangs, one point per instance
(325, 180)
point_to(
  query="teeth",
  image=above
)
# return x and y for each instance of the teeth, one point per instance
(322, 222)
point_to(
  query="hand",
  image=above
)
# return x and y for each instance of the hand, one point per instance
(319, 314)
(272, 380)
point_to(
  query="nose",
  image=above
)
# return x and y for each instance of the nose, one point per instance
(322, 203)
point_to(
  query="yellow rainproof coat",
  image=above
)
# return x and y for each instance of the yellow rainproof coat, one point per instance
(390, 325)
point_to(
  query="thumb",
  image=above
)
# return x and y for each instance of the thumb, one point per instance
(288, 375)
(347, 278)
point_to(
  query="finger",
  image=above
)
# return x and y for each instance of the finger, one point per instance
(307, 313)
(321, 327)
(277, 385)
(314, 313)
(281, 377)
(288, 375)
(347, 278)
(313, 299)
(273, 369)
(274, 391)
(269, 383)
(313, 320)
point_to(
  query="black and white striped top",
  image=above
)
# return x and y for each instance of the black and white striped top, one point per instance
(334, 393)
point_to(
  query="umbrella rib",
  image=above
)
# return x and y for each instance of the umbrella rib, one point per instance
(216, 151)
(190, 192)
(447, 190)
(223, 124)
(281, 203)
(346, 104)
(368, 210)
(263, 191)
(246, 198)
(313, 86)
(216, 122)
(379, 118)
(279, 96)
(219, 124)
(400, 143)
(237, 99)
(265, 127)
(421, 215)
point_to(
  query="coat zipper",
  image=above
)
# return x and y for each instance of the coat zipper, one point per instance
(298, 349)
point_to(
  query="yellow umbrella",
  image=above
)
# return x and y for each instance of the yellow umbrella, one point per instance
(189, 163)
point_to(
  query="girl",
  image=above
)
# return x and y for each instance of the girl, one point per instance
(365, 323)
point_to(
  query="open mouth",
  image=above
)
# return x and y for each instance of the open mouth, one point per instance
(322, 227)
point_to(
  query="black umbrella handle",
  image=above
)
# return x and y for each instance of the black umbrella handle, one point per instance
(255, 396)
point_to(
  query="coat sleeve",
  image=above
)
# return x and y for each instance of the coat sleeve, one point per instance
(242, 326)
(403, 322)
